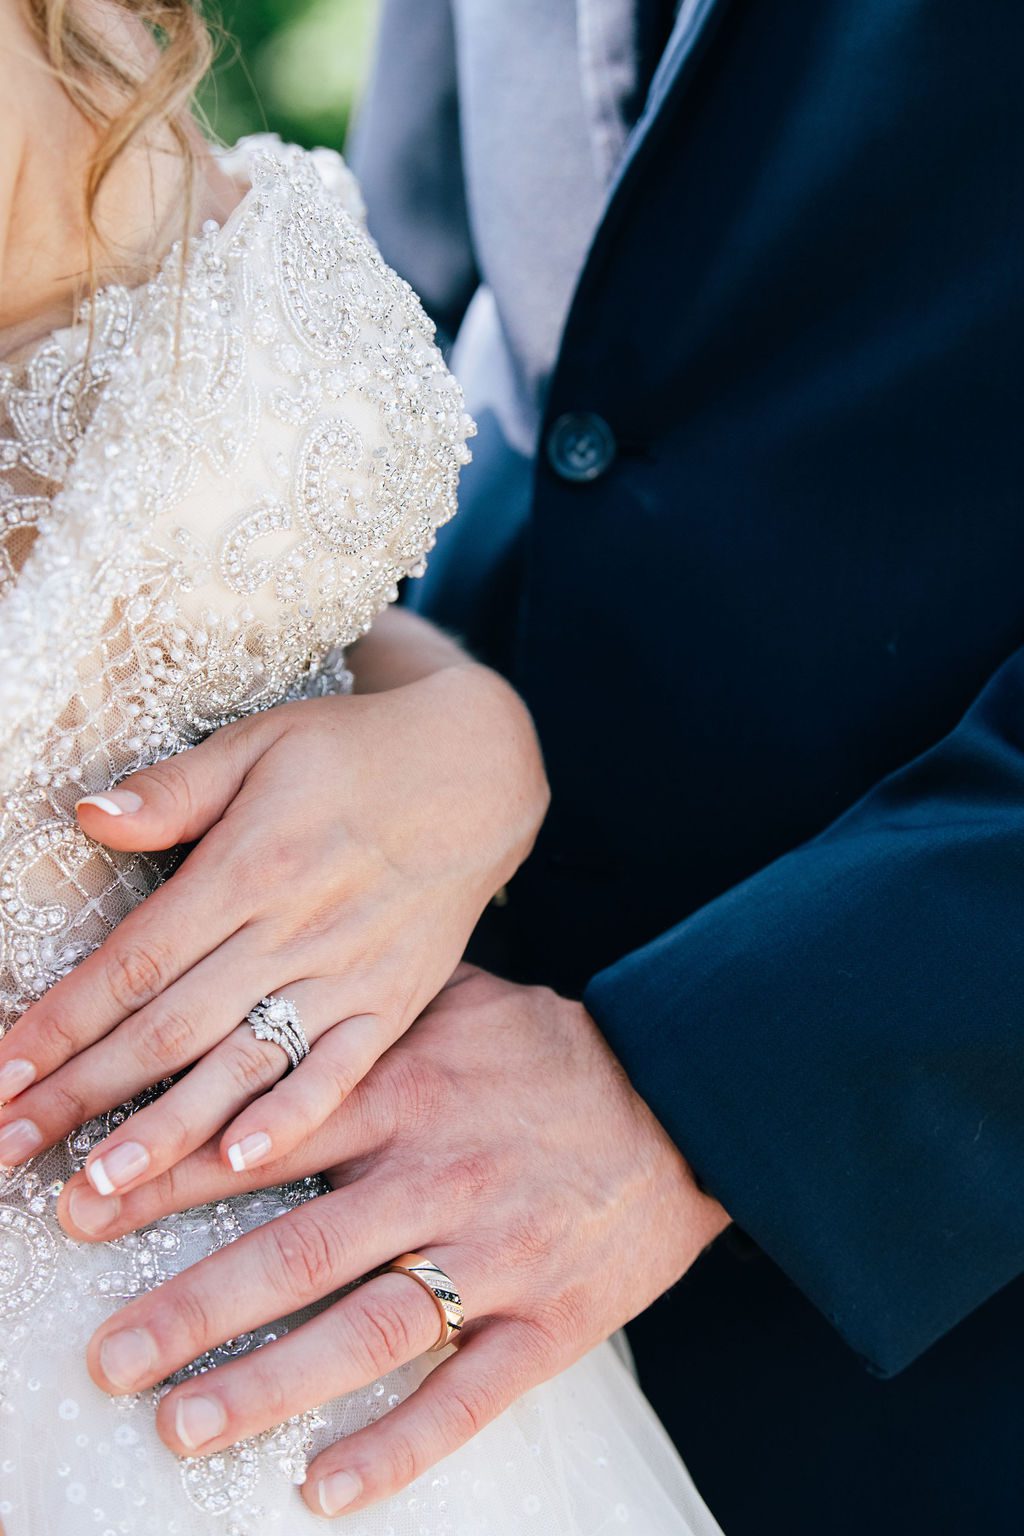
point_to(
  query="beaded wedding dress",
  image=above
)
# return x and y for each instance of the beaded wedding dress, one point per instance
(209, 486)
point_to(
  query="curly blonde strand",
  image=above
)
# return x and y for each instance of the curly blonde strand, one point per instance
(121, 101)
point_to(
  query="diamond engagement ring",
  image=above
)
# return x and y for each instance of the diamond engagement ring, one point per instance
(439, 1287)
(276, 1019)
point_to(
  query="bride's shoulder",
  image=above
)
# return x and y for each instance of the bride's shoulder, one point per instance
(21, 87)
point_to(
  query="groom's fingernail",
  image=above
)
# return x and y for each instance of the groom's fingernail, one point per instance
(338, 1491)
(198, 1420)
(249, 1151)
(128, 1358)
(15, 1077)
(18, 1141)
(117, 802)
(117, 1167)
(91, 1213)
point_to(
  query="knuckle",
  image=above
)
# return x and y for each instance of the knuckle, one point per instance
(164, 1038)
(400, 1463)
(253, 1067)
(170, 1130)
(172, 777)
(383, 1334)
(185, 1320)
(66, 1105)
(418, 1090)
(136, 973)
(465, 1410)
(56, 1040)
(530, 1240)
(301, 1257)
(471, 1176)
(267, 1388)
(562, 1317)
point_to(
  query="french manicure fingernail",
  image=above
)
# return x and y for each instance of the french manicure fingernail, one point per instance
(90, 1212)
(128, 1358)
(249, 1151)
(198, 1420)
(15, 1077)
(18, 1141)
(118, 802)
(338, 1491)
(117, 1167)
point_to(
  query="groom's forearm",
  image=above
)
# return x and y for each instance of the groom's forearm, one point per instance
(402, 648)
(836, 1044)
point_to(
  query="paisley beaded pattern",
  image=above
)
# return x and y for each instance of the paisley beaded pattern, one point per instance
(209, 487)
(201, 506)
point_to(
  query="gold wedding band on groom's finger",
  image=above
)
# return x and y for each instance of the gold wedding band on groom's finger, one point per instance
(439, 1286)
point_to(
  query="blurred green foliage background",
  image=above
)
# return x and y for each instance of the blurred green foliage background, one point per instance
(295, 66)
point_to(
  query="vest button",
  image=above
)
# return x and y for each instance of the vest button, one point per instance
(581, 446)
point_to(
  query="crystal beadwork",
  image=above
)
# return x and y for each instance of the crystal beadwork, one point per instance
(209, 487)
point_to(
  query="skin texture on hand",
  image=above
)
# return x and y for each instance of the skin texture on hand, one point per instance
(499, 1137)
(347, 847)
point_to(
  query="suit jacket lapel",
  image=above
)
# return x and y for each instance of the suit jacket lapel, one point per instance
(679, 57)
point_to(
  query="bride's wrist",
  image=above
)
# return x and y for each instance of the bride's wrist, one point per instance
(494, 751)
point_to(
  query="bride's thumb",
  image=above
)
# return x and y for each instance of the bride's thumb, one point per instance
(175, 801)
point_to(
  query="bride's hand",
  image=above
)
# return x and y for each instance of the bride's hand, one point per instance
(347, 847)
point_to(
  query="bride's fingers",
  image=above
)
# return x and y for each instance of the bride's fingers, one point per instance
(234, 1072)
(493, 1368)
(179, 799)
(287, 1116)
(187, 1115)
(369, 1333)
(182, 922)
(202, 1178)
(180, 1026)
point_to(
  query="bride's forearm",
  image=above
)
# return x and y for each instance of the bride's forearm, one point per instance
(468, 705)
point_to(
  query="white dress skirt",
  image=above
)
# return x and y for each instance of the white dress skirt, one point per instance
(209, 487)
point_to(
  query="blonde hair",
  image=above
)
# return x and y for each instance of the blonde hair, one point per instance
(123, 98)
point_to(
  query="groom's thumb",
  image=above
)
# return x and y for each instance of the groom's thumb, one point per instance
(175, 801)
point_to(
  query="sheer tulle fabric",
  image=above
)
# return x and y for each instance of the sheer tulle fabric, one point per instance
(207, 492)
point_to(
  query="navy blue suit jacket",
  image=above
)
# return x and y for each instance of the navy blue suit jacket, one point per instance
(772, 652)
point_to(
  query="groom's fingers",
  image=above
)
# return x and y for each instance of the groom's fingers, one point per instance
(278, 1269)
(456, 1401)
(368, 1334)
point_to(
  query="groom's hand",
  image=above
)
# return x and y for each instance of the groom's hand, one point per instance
(500, 1138)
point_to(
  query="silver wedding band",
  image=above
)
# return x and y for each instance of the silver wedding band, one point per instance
(276, 1020)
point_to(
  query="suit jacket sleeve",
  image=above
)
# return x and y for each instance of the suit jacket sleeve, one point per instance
(406, 151)
(837, 1045)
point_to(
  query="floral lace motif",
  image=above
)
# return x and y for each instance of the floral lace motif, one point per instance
(208, 489)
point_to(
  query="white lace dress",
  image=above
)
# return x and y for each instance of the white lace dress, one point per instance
(208, 488)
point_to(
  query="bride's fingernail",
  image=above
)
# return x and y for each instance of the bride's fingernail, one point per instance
(249, 1151)
(92, 1213)
(338, 1491)
(198, 1420)
(15, 1077)
(118, 802)
(117, 1167)
(18, 1141)
(127, 1358)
